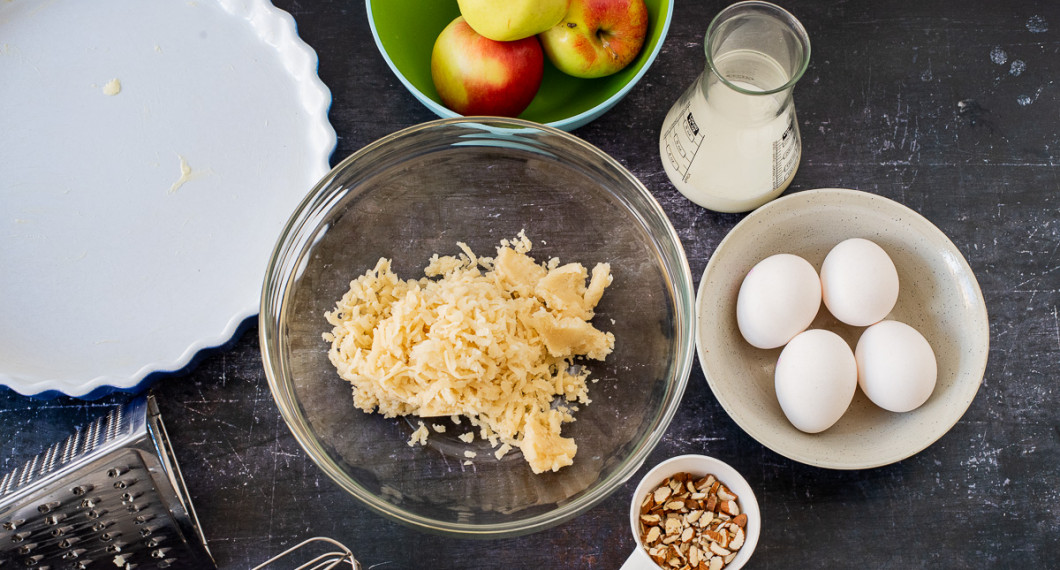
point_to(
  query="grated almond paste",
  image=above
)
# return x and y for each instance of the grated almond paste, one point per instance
(490, 339)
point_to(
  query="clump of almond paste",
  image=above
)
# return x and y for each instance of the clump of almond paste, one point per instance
(490, 339)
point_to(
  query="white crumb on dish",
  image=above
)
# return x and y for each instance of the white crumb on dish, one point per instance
(185, 175)
(112, 87)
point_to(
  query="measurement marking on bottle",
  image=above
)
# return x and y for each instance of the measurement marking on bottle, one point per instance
(683, 139)
(785, 155)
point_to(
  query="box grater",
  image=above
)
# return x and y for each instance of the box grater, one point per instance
(110, 496)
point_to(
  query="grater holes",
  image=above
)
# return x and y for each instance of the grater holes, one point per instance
(128, 497)
(160, 553)
(45, 508)
(119, 471)
(124, 484)
(68, 542)
(109, 536)
(54, 519)
(154, 541)
(89, 503)
(61, 530)
(32, 561)
(19, 537)
(13, 524)
(95, 513)
(26, 548)
(167, 563)
(115, 547)
(73, 554)
(81, 490)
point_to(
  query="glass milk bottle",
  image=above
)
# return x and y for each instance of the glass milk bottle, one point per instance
(731, 142)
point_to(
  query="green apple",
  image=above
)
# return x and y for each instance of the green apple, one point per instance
(597, 37)
(509, 20)
(475, 75)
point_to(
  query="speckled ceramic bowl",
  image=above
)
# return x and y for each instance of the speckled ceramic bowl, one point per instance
(938, 296)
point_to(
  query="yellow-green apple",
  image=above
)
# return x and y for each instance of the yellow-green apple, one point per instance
(509, 20)
(475, 75)
(597, 37)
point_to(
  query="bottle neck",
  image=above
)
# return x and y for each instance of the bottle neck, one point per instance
(741, 97)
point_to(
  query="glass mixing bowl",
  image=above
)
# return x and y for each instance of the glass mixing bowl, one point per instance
(479, 180)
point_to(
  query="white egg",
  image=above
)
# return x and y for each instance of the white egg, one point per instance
(897, 369)
(859, 282)
(815, 379)
(778, 299)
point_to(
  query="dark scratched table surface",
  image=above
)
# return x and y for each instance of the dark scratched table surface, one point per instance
(951, 108)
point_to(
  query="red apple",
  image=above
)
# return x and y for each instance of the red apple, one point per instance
(475, 75)
(597, 37)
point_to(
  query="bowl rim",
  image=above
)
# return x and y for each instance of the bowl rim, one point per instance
(568, 124)
(978, 368)
(276, 285)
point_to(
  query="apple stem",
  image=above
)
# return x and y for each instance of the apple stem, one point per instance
(603, 36)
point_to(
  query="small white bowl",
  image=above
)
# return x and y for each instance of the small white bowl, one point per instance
(699, 465)
(938, 295)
